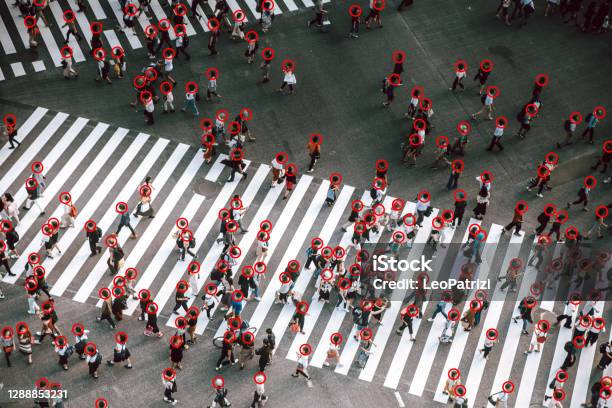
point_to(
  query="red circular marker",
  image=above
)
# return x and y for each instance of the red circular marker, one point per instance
(454, 314)
(149, 76)
(412, 310)
(344, 283)
(33, 258)
(460, 66)
(424, 196)
(180, 10)
(437, 223)
(453, 373)
(30, 22)
(458, 165)
(579, 342)
(486, 177)
(96, 28)
(31, 284)
(263, 236)
(354, 270)
(550, 209)
(399, 237)
(590, 181)
(305, 349)
(327, 275)
(355, 10)
(248, 272)
(180, 322)
(415, 140)
(164, 24)
(222, 115)
(394, 79)
(335, 179)
(65, 198)
(552, 158)
(152, 308)
(544, 325)
(222, 265)
(11, 120)
(212, 73)
(130, 9)
(379, 184)
(47, 230)
(486, 65)
(237, 296)
(536, 288)
(475, 305)
(365, 333)
(118, 291)
(117, 51)
(464, 127)
(168, 374)
(31, 184)
(541, 80)
(145, 97)
(140, 81)
(211, 289)
(530, 302)
(288, 65)
(521, 207)
(265, 225)
(381, 165)
(69, 16)
(7, 332)
(459, 390)
(121, 337)
(501, 122)
(601, 211)
(398, 56)
(22, 328)
(6, 226)
(182, 286)
(182, 223)
(336, 338)
(492, 91)
(492, 334)
(111, 241)
(104, 293)
(267, 54)
(599, 112)
(60, 341)
(251, 36)
(121, 207)
(144, 295)
(409, 220)
(131, 274)
(238, 16)
(302, 307)
(448, 215)
(235, 252)
(571, 232)
(508, 387)
(119, 281)
(397, 205)
(151, 31)
(442, 142)
(191, 87)
(419, 124)
(169, 53)
(531, 109)
(425, 104)
(417, 92)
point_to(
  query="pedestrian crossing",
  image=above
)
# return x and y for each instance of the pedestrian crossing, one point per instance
(101, 165)
(15, 42)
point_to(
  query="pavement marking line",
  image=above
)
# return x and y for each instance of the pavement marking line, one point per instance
(290, 4)
(457, 347)
(382, 333)
(19, 23)
(1, 75)
(38, 66)
(132, 39)
(532, 363)
(585, 365)
(102, 190)
(107, 219)
(82, 183)
(563, 336)
(54, 155)
(400, 358)
(252, 5)
(18, 69)
(206, 226)
(400, 401)
(163, 212)
(82, 22)
(23, 131)
(337, 316)
(513, 334)
(308, 3)
(163, 253)
(5, 40)
(203, 20)
(278, 230)
(159, 182)
(96, 7)
(216, 169)
(112, 39)
(32, 151)
(316, 306)
(58, 15)
(49, 40)
(478, 364)
(54, 186)
(160, 14)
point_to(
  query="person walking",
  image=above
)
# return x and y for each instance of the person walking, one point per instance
(569, 125)
(460, 73)
(211, 86)
(288, 79)
(169, 384)
(314, 151)
(8, 344)
(583, 198)
(94, 235)
(106, 312)
(10, 130)
(591, 121)
(488, 103)
(94, 359)
(500, 125)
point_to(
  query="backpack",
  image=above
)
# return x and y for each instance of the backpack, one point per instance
(69, 351)
(99, 231)
(64, 63)
(373, 194)
(566, 125)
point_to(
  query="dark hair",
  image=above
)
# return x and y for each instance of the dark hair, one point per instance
(148, 179)
(8, 197)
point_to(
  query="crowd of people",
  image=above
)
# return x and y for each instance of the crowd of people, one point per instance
(341, 274)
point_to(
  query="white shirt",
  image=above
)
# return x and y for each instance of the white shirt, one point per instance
(499, 131)
(170, 97)
(414, 101)
(91, 359)
(284, 287)
(276, 165)
(168, 64)
(303, 360)
(460, 74)
(488, 100)
(422, 206)
(149, 106)
(190, 96)
(290, 78)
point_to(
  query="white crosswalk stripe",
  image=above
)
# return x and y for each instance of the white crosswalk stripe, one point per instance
(78, 154)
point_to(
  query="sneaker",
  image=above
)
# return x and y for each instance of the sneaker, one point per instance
(539, 196)
(326, 364)
(430, 319)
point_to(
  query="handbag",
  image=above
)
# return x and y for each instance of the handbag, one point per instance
(491, 400)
